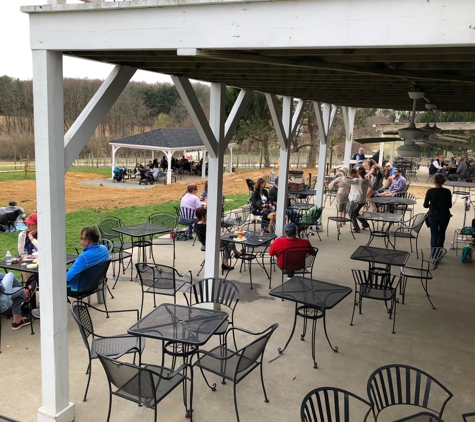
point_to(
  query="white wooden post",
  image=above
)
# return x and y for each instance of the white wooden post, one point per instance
(349, 122)
(50, 192)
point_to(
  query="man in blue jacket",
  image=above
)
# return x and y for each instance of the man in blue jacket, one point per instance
(92, 254)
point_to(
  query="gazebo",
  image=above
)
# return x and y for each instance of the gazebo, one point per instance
(167, 141)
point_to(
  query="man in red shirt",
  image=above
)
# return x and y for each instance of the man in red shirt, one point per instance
(296, 250)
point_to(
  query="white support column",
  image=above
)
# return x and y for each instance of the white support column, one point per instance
(169, 170)
(285, 129)
(325, 114)
(203, 167)
(391, 153)
(216, 136)
(230, 158)
(381, 153)
(114, 150)
(50, 192)
(349, 122)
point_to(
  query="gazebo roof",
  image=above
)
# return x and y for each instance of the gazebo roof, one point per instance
(163, 139)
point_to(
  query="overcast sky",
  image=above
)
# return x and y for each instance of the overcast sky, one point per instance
(16, 54)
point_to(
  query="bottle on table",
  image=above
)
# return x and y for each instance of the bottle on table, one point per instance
(8, 258)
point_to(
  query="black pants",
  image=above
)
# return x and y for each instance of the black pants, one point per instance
(354, 211)
(438, 226)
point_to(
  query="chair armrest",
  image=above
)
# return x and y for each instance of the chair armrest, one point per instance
(173, 374)
(124, 352)
(117, 311)
(185, 273)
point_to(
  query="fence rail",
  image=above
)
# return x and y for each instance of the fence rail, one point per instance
(25, 167)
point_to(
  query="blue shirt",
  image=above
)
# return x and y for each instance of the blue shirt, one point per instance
(91, 255)
(398, 184)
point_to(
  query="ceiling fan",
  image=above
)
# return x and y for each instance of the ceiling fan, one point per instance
(413, 136)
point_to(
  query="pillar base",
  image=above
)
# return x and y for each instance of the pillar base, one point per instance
(65, 415)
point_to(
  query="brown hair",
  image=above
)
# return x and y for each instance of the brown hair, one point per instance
(439, 179)
(361, 171)
(258, 183)
(201, 213)
(91, 234)
(192, 187)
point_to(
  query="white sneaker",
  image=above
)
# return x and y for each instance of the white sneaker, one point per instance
(36, 313)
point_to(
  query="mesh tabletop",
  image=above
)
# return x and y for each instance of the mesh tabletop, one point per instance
(308, 192)
(251, 238)
(70, 258)
(315, 293)
(141, 230)
(183, 324)
(383, 217)
(392, 200)
(380, 256)
(304, 206)
(421, 417)
(460, 184)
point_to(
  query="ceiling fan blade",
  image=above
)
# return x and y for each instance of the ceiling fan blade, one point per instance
(374, 140)
(451, 135)
(441, 142)
(448, 138)
(390, 132)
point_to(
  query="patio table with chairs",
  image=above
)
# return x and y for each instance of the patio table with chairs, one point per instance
(312, 299)
(391, 201)
(380, 224)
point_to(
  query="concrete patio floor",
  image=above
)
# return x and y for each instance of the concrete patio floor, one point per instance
(440, 342)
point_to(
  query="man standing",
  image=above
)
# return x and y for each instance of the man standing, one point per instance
(397, 186)
(93, 253)
(291, 241)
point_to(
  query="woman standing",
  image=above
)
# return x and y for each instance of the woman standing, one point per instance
(342, 192)
(375, 176)
(439, 202)
(259, 202)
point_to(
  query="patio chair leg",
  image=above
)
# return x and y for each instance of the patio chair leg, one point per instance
(427, 293)
(235, 403)
(89, 370)
(266, 400)
(394, 312)
(355, 302)
(335, 349)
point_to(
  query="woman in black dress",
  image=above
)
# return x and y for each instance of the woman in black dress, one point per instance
(439, 202)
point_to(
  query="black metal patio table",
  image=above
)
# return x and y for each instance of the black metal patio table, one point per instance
(387, 257)
(312, 299)
(381, 222)
(301, 206)
(421, 417)
(253, 242)
(141, 232)
(182, 329)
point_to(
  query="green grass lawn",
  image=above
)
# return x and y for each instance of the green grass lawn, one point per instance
(75, 221)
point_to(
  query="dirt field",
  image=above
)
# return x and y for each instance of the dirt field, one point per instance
(80, 196)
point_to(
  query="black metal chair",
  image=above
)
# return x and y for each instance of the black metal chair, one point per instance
(215, 290)
(295, 261)
(200, 231)
(105, 226)
(377, 284)
(115, 346)
(159, 279)
(89, 281)
(115, 256)
(468, 417)
(393, 385)
(6, 419)
(430, 260)
(305, 221)
(235, 365)
(339, 220)
(144, 384)
(330, 404)
(168, 220)
(409, 230)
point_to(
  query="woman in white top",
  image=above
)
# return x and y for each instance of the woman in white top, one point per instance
(188, 205)
(357, 196)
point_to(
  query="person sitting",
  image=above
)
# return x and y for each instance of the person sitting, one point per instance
(438, 166)
(390, 167)
(397, 186)
(462, 170)
(290, 241)
(155, 172)
(137, 169)
(204, 194)
(28, 238)
(359, 157)
(10, 285)
(189, 203)
(200, 227)
(93, 253)
(387, 181)
(260, 202)
(471, 170)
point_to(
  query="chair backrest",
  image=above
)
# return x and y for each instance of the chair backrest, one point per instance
(418, 222)
(379, 279)
(328, 404)
(105, 226)
(253, 352)
(81, 315)
(164, 219)
(107, 243)
(136, 383)
(250, 184)
(294, 259)
(88, 280)
(160, 276)
(431, 257)
(214, 290)
(395, 384)
(246, 210)
(187, 213)
(200, 230)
